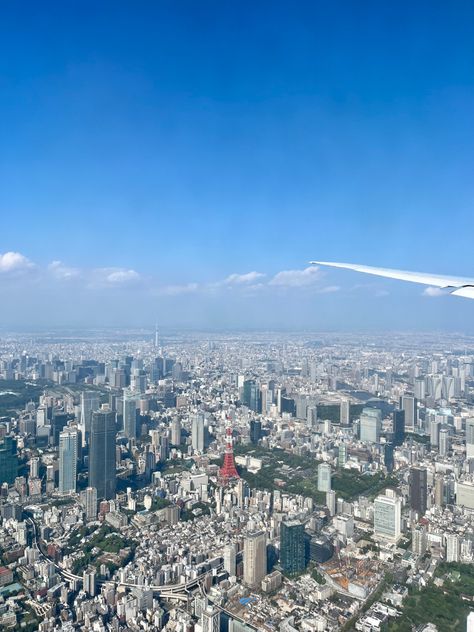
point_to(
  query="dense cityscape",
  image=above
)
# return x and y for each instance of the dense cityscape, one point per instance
(202, 482)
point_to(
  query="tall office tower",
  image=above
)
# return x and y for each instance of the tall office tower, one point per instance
(419, 540)
(398, 427)
(370, 425)
(388, 456)
(418, 489)
(345, 412)
(90, 503)
(409, 404)
(68, 441)
(443, 441)
(34, 467)
(255, 430)
(42, 416)
(210, 619)
(90, 401)
(420, 388)
(324, 477)
(255, 558)
(89, 581)
(251, 395)
(311, 416)
(266, 398)
(230, 559)
(176, 432)
(453, 547)
(292, 547)
(138, 381)
(102, 473)
(197, 432)
(129, 413)
(387, 516)
(470, 438)
(435, 428)
(8, 460)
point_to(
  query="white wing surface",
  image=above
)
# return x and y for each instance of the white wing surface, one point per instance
(459, 286)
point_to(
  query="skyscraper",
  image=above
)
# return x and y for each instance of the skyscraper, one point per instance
(255, 430)
(418, 489)
(102, 474)
(444, 441)
(198, 433)
(409, 404)
(387, 515)
(90, 502)
(251, 395)
(345, 412)
(370, 425)
(324, 477)
(90, 401)
(8, 460)
(176, 432)
(292, 547)
(255, 558)
(470, 438)
(129, 413)
(230, 557)
(68, 447)
(398, 427)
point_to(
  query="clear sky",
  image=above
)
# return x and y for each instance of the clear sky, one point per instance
(181, 161)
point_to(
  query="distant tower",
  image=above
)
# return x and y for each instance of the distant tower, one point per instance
(228, 469)
(157, 337)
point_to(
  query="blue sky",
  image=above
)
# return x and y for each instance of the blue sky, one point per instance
(150, 151)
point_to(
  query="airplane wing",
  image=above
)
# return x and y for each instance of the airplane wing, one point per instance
(459, 286)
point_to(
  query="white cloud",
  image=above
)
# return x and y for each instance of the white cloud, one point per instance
(120, 276)
(62, 272)
(176, 290)
(111, 277)
(329, 289)
(297, 278)
(433, 291)
(240, 279)
(14, 263)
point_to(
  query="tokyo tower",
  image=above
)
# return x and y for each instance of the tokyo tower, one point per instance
(228, 470)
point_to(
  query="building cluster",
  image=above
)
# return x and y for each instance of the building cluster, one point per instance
(230, 482)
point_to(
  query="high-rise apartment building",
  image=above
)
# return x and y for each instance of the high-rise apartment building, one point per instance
(230, 559)
(68, 447)
(255, 558)
(129, 413)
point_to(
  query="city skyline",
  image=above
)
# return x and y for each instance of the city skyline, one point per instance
(188, 172)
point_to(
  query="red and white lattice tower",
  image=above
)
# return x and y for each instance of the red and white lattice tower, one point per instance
(228, 470)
